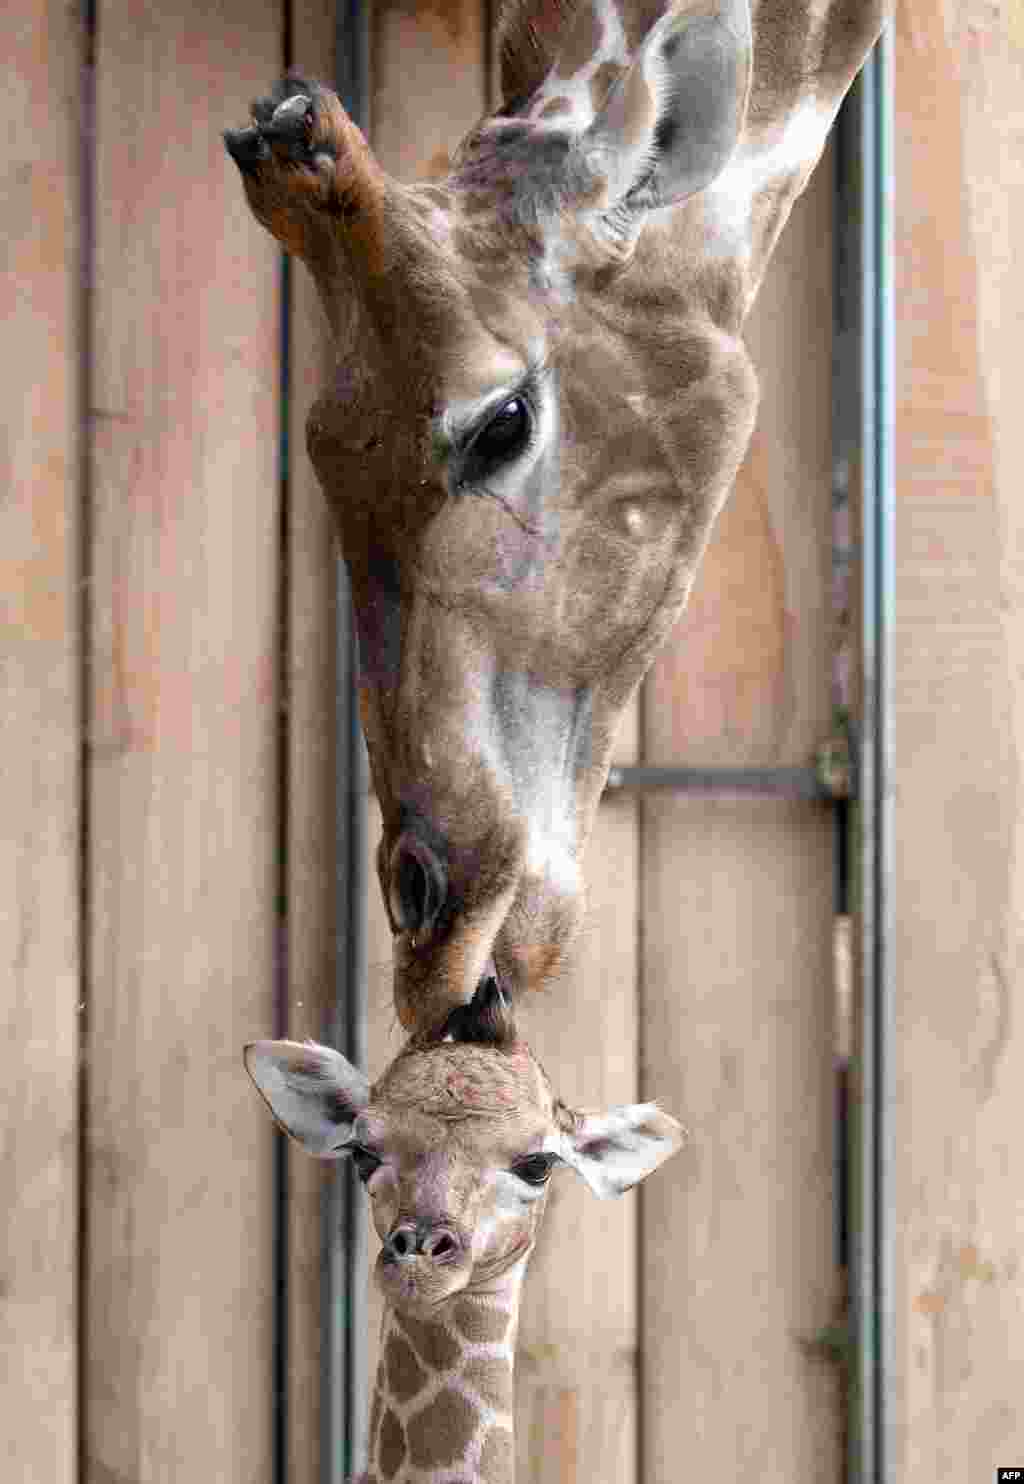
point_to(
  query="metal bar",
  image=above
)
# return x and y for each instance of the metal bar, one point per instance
(343, 1299)
(853, 432)
(864, 354)
(352, 59)
(790, 783)
(282, 1329)
(883, 801)
(862, 1246)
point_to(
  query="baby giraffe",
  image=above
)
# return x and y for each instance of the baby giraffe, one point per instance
(455, 1145)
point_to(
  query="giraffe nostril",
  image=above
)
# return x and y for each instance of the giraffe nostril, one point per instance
(440, 1245)
(402, 1242)
(419, 885)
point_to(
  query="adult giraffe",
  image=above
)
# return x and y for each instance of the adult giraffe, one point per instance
(540, 403)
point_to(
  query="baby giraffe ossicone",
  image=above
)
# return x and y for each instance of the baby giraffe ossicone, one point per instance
(455, 1145)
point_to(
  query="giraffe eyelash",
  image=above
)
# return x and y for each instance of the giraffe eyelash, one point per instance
(529, 394)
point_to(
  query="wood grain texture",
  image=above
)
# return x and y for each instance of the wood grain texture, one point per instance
(737, 1266)
(958, 890)
(427, 81)
(626, 750)
(737, 1262)
(311, 679)
(576, 1403)
(40, 252)
(183, 824)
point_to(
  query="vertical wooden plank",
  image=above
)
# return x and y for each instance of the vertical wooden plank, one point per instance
(627, 744)
(427, 80)
(311, 788)
(576, 1409)
(183, 833)
(737, 1263)
(39, 775)
(958, 888)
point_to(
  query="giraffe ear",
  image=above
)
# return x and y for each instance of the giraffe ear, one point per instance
(673, 119)
(313, 1092)
(616, 1150)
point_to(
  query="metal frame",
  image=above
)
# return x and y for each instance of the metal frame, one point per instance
(788, 783)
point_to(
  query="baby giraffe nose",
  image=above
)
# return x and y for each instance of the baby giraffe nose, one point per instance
(419, 885)
(408, 1240)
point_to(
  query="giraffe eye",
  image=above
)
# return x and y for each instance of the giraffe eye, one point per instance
(535, 1169)
(366, 1163)
(502, 438)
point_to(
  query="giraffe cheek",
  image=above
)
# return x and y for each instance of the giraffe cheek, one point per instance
(502, 1233)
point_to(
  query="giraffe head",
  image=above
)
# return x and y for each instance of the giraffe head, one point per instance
(455, 1145)
(540, 401)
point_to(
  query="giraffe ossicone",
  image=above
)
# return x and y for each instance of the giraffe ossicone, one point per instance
(455, 1145)
(540, 401)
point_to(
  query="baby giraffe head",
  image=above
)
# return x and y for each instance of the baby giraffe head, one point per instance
(455, 1145)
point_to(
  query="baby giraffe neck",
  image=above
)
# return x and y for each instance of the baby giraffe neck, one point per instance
(443, 1402)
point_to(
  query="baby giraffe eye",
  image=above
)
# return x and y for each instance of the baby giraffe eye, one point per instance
(365, 1162)
(535, 1169)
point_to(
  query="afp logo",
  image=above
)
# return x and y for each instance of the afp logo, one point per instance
(1010, 1476)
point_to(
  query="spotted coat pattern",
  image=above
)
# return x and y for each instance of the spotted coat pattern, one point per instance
(443, 1400)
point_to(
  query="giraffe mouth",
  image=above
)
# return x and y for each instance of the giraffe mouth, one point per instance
(487, 1019)
(420, 1290)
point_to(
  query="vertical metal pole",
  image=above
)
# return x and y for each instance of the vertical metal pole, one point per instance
(282, 1327)
(885, 596)
(343, 1388)
(864, 1125)
(863, 432)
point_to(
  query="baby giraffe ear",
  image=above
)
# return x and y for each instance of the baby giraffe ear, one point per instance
(616, 1150)
(673, 119)
(312, 1091)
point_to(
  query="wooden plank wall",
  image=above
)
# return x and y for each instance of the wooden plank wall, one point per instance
(183, 786)
(40, 661)
(736, 910)
(958, 890)
(210, 606)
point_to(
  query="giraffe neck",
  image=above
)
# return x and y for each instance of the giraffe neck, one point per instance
(444, 1396)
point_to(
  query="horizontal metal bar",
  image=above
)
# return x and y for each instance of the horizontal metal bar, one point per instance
(788, 783)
